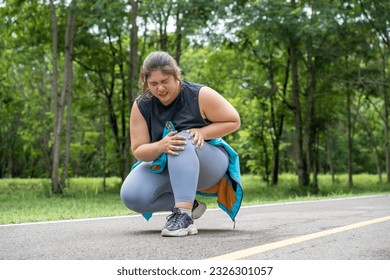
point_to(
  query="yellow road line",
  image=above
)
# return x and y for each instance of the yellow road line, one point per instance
(279, 244)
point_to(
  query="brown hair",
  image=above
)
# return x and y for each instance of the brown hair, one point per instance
(158, 61)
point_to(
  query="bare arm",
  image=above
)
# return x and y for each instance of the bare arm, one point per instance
(142, 147)
(224, 117)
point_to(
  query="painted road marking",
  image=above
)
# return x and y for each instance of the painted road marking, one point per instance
(279, 244)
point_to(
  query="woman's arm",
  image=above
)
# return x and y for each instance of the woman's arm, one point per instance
(141, 145)
(224, 117)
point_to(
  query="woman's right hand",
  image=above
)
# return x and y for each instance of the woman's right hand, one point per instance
(172, 143)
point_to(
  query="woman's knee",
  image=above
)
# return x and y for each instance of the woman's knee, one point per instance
(188, 140)
(132, 197)
(189, 149)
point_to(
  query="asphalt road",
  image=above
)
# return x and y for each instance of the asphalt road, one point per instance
(340, 229)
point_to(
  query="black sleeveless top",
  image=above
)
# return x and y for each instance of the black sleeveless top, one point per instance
(183, 112)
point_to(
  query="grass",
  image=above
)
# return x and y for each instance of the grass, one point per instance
(31, 200)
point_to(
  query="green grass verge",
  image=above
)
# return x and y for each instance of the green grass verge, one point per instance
(30, 200)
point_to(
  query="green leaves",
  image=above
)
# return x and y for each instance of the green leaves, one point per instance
(240, 48)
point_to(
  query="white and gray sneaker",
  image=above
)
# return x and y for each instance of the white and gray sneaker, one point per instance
(198, 209)
(179, 224)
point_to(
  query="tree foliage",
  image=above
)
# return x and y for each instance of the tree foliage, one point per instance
(309, 78)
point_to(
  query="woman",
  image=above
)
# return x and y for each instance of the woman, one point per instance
(175, 129)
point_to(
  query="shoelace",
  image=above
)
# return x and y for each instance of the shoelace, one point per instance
(174, 214)
(176, 217)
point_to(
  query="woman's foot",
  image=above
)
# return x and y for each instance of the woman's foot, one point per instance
(198, 209)
(179, 224)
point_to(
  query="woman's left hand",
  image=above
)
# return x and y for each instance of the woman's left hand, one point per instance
(198, 137)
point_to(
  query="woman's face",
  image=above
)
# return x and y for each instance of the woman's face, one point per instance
(163, 86)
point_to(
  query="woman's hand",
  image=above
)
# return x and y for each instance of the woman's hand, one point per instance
(173, 143)
(198, 137)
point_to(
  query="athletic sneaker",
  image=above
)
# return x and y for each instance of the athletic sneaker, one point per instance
(179, 224)
(198, 209)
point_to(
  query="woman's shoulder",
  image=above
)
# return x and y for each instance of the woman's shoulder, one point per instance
(144, 104)
(191, 86)
(143, 99)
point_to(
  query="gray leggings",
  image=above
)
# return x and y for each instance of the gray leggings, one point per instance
(193, 169)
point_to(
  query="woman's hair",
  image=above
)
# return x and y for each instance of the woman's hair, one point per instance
(158, 61)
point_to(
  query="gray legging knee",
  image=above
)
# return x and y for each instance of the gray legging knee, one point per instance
(193, 169)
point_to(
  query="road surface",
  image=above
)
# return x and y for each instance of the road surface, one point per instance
(355, 228)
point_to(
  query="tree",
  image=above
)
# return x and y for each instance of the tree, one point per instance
(377, 14)
(101, 53)
(271, 59)
(133, 69)
(303, 175)
(59, 100)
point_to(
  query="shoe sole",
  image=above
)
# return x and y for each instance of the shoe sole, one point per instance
(199, 211)
(191, 230)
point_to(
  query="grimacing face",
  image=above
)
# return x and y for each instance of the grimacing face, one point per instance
(163, 86)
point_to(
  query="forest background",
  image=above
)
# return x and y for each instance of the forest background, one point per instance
(310, 80)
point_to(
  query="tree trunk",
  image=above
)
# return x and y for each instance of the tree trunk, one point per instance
(124, 137)
(299, 158)
(103, 137)
(303, 177)
(310, 125)
(112, 117)
(330, 156)
(59, 101)
(386, 113)
(277, 120)
(278, 132)
(349, 127)
(54, 60)
(266, 158)
(316, 164)
(68, 73)
(68, 129)
(133, 69)
(54, 91)
(178, 34)
(163, 31)
(374, 146)
(350, 140)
